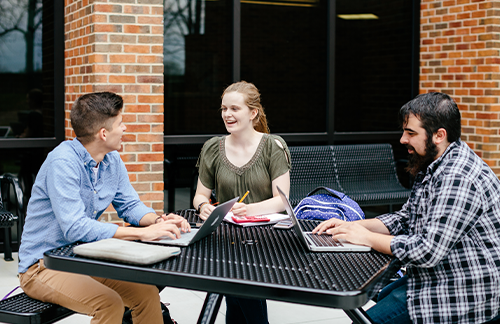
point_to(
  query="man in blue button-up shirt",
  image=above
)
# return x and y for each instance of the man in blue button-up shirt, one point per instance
(76, 183)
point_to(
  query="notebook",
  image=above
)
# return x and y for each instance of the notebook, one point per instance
(315, 242)
(196, 234)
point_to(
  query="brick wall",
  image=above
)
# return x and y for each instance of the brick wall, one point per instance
(117, 46)
(459, 55)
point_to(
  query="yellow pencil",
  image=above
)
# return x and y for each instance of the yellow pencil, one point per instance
(244, 196)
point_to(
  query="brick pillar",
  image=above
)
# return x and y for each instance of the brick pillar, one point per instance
(459, 55)
(117, 46)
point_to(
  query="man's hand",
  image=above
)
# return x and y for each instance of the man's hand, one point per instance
(180, 221)
(331, 223)
(350, 232)
(169, 225)
(357, 233)
(157, 231)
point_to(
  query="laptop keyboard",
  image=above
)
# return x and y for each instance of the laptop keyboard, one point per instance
(323, 240)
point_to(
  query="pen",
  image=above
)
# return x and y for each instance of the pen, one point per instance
(244, 196)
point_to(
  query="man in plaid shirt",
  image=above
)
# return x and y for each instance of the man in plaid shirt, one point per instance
(448, 232)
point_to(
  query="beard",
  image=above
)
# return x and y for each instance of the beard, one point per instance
(417, 162)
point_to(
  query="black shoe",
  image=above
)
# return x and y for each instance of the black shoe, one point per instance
(127, 316)
(166, 315)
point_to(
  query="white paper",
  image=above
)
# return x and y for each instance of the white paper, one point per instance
(274, 218)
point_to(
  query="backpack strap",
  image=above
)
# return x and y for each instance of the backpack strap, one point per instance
(331, 192)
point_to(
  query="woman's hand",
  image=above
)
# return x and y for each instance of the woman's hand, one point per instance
(206, 210)
(240, 209)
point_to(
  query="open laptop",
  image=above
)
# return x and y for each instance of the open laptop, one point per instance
(315, 242)
(196, 234)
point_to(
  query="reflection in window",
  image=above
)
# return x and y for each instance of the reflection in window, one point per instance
(284, 53)
(181, 18)
(23, 110)
(26, 84)
(197, 58)
(373, 65)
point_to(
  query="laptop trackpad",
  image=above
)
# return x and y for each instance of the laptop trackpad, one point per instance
(185, 237)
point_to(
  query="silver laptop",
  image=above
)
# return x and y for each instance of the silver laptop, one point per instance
(318, 243)
(196, 234)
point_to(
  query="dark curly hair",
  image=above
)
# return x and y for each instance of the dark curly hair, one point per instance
(435, 110)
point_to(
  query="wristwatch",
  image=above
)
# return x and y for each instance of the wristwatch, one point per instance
(201, 205)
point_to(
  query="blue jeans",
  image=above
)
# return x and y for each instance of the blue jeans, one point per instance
(391, 304)
(246, 311)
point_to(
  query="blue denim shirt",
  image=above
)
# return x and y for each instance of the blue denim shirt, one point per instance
(67, 200)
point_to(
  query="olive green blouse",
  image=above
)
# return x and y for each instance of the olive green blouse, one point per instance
(268, 163)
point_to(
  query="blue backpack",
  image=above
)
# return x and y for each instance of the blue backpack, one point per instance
(329, 205)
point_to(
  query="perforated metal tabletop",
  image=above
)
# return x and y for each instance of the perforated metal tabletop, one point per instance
(258, 262)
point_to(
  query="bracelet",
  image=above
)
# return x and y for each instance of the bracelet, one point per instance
(157, 218)
(201, 205)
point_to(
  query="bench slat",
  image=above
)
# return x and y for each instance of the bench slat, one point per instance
(22, 309)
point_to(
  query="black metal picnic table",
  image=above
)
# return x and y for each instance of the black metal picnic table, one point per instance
(252, 262)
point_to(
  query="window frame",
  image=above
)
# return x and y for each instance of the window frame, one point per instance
(59, 97)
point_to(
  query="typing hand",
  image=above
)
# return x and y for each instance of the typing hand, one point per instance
(177, 220)
(159, 230)
(331, 223)
(351, 232)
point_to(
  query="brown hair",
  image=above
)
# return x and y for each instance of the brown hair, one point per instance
(252, 100)
(92, 111)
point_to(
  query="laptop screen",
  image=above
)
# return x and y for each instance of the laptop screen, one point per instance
(295, 222)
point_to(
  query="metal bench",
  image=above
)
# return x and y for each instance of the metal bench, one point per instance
(22, 309)
(7, 221)
(8, 185)
(365, 172)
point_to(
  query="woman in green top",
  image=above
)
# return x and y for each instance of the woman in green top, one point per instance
(248, 159)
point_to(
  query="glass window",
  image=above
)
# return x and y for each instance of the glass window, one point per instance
(26, 69)
(373, 68)
(284, 53)
(198, 64)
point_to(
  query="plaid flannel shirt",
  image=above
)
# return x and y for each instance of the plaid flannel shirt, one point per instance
(448, 236)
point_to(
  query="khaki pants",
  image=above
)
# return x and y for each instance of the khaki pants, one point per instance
(102, 299)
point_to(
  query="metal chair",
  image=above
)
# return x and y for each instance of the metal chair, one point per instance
(9, 186)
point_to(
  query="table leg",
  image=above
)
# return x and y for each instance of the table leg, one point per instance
(358, 316)
(210, 308)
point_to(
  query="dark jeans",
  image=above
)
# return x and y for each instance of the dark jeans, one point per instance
(246, 311)
(391, 304)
